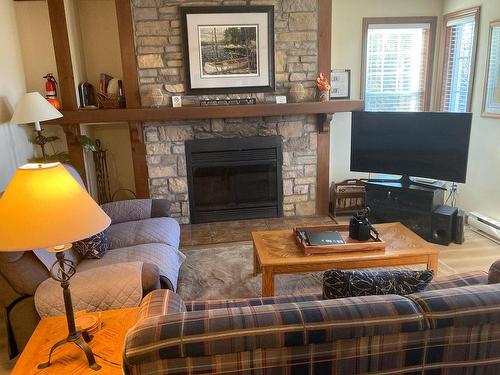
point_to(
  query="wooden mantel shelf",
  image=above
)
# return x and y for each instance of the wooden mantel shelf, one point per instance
(82, 116)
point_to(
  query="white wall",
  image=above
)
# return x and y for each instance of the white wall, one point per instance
(14, 145)
(37, 50)
(100, 40)
(347, 19)
(482, 191)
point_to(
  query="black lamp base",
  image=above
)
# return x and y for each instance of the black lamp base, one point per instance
(80, 339)
(62, 270)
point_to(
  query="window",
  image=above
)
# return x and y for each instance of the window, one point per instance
(459, 40)
(397, 63)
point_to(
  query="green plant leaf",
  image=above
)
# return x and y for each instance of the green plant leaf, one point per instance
(87, 143)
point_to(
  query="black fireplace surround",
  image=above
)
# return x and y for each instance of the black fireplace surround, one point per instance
(234, 178)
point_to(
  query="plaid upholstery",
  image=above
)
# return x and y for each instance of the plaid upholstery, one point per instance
(458, 280)
(388, 354)
(460, 307)
(161, 302)
(439, 331)
(241, 329)
(247, 302)
(465, 330)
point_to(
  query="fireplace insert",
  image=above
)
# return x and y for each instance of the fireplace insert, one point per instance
(234, 178)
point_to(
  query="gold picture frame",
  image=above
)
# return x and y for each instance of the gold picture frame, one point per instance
(491, 94)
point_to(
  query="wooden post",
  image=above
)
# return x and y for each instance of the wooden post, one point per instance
(132, 95)
(57, 16)
(324, 66)
(62, 52)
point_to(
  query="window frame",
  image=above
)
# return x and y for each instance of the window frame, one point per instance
(431, 20)
(474, 12)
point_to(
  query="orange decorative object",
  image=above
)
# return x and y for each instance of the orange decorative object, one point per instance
(322, 83)
(56, 103)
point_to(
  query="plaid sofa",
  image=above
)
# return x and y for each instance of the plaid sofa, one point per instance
(451, 328)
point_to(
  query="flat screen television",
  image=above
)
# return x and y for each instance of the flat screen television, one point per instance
(419, 144)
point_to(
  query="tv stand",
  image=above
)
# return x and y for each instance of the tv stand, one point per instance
(406, 180)
(410, 203)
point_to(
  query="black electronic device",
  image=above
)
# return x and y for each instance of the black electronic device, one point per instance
(360, 227)
(412, 205)
(443, 224)
(421, 144)
(459, 237)
(325, 238)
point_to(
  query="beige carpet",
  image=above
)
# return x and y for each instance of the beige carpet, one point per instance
(226, 271)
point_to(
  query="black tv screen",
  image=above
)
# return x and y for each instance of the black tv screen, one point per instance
(420, 144)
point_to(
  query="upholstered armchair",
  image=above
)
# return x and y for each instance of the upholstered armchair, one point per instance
(141, 232)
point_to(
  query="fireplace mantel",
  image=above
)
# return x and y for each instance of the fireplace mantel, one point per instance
(203, 113)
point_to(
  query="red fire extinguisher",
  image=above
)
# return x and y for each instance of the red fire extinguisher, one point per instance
(51, 90)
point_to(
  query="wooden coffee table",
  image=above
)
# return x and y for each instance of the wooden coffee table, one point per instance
(277, 252)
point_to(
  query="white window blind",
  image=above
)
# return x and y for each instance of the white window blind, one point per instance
(396, 66)
(458, 63)
(493, 90)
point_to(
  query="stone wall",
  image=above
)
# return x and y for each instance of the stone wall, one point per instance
(161, 65)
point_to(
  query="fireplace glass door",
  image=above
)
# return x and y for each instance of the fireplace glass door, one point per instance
(234, 179)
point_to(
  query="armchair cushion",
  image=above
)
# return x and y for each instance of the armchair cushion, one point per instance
(101, 288)
(23, 270)
(167, 258)
(156, 230)
(136, 209)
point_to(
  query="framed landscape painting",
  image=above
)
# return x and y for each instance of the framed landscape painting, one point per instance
(491, 97)
(228, 49)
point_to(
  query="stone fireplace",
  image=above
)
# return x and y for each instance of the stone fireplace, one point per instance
(160, 62)
(166, 156)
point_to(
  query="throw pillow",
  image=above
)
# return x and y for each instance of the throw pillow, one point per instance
(340, 284)
(93, 247)
(494, 273)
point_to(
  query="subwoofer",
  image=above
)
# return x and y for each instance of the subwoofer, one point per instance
(459, 237)
(443, 225)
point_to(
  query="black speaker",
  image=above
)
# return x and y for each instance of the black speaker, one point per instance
(443, 225)
(459, 227)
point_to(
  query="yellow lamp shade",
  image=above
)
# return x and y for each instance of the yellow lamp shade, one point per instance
(44, 206)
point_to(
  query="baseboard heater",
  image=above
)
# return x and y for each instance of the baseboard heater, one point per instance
(485, 225)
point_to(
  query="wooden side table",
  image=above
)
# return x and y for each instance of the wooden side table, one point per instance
(107, 345)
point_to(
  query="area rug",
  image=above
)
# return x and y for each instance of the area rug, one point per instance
(226, 271)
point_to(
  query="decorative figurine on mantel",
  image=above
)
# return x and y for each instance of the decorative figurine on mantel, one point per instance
(323, 86)
(296, 92)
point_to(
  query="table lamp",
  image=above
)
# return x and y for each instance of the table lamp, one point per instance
(33, 107)
(45, 207)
